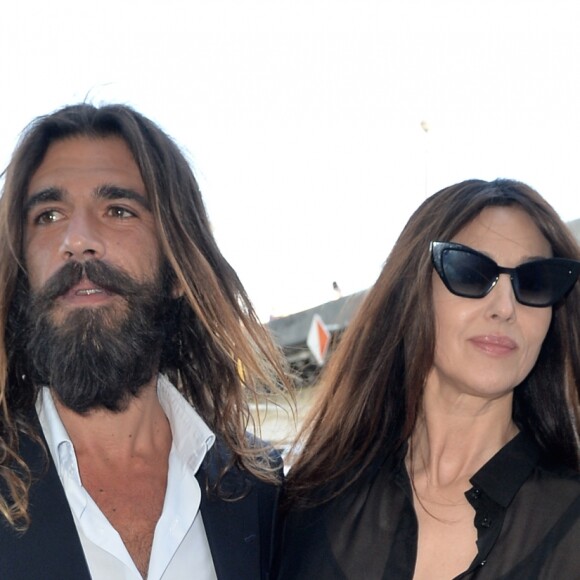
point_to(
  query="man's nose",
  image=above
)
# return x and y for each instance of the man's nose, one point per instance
(83, 239)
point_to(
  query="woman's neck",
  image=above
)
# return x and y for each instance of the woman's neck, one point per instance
(451, 442)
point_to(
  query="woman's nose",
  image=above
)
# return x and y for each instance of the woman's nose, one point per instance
(502, 300)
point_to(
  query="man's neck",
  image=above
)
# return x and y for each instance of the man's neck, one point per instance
(140, 429)
(123, 464)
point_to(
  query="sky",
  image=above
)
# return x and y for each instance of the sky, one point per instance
(316, 127)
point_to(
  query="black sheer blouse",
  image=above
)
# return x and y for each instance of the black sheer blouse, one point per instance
(527, 515)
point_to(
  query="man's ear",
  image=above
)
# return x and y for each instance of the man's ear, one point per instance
(172, 283)
(177, 291)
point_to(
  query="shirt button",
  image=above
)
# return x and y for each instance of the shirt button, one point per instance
(486, 522)
(475, 493)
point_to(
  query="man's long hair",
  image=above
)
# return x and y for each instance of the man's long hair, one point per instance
(373, 387)
(219, 356)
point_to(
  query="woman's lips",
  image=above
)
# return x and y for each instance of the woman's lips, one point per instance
(494, 345)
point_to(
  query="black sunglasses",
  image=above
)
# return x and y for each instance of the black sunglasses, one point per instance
(468, 273)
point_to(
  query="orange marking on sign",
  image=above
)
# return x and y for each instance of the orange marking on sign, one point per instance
(323, 338)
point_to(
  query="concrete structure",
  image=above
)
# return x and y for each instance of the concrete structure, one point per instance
(291, 332)
(575, 227)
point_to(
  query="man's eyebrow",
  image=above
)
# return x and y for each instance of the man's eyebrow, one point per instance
(113, 192)
(48, 194)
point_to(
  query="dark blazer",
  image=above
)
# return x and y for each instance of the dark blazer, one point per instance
(239, 532)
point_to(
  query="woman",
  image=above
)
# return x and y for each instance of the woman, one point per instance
(445, 441)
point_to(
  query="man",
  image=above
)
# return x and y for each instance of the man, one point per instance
(128, 350)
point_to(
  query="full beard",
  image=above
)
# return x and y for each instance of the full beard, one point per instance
(97, 357)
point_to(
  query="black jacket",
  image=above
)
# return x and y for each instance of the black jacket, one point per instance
(239, 532)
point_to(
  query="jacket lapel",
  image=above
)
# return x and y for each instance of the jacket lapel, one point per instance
(239, 530)
(233, 534)
(50, 548)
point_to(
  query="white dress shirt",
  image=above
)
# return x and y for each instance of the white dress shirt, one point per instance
(180, 543)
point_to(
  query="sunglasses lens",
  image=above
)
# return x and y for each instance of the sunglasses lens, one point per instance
(467, 274)
(543, 282)
(470, 274)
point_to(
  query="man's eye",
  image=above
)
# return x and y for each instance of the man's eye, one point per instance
(120, 212)
(47, 217)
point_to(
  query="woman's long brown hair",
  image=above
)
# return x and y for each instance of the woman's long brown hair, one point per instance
(371, 391)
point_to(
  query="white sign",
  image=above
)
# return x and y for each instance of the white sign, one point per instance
(318, 339)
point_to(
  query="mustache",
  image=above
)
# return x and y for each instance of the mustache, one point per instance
(105, 276)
